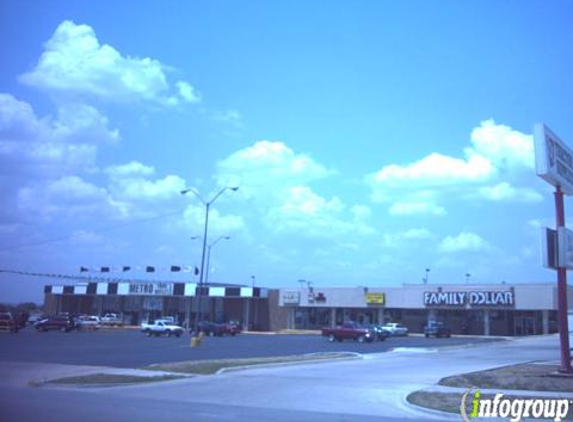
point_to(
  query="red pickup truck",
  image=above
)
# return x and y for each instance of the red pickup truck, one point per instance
(349, 331)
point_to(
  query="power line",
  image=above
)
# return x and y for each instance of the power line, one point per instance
(71, 236)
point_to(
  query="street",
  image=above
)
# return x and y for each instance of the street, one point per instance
(371, 389)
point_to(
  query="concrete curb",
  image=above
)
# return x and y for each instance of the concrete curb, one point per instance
(356, 356)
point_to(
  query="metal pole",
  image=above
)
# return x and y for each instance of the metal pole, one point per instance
(208, 266)
(200, 293)
(562, 292)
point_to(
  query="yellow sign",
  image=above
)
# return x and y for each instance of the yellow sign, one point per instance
(375, 298)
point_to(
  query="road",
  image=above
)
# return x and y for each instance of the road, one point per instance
(371, 389)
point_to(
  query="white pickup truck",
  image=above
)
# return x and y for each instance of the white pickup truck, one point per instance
(161, 327)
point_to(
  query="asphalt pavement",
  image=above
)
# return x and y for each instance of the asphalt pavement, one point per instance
(369, 389)
(130, 348)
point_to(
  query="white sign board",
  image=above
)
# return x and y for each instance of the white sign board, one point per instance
(565, 247)
(553, 159)
(151, 289)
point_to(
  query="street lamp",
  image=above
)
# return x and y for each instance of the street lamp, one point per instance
(209, 254)
(468, 275)
(207, 208)
(426, 278)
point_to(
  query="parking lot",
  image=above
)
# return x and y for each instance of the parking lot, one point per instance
(130, 348)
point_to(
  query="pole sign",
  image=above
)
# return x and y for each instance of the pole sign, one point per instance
(553, 159)
(565, 248)
(549, 248)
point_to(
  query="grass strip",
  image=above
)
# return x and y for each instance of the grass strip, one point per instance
(97, 379)
(451, 402)
(207, 367)
(534, 377)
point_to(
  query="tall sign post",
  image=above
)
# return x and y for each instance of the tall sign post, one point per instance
(554, 164)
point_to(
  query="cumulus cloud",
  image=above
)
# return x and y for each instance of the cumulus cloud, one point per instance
(505, 192)
(412, 208)
(30, 145)
(464, 242)
(489, 169)
(280, 181)
(75, 64)
(133, 168)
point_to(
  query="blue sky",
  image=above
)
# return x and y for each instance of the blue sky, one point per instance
(370, 139)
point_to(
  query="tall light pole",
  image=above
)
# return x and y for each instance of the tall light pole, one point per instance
(426, 278)
(207, 208)
(209, 254)
(468, 275)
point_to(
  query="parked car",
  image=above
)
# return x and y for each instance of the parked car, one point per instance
(218, 329)
(437, 329)
(395, 329)
(88, 322)
(161, 327)
(381, 333)
(64, 323)
(349, 331)
(112, 320)
(8, 323)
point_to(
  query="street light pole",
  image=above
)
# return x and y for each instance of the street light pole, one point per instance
(209, 255)
(426, 279)
(468, 278)
(207, 208)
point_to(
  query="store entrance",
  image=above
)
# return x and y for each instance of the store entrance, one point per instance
(524, 325)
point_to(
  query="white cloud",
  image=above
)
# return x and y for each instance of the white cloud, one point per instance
(187, 92)
(464, 242)
(417, 234)
(505, 192)
(496, 155)
(140, 189)
(412, 208)
(133, 168)
(74, 63)
(268, 165)
(32, 146)
(278, 181)
(504, 147)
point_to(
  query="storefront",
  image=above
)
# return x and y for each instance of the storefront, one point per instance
(141, 301)
(485, 309)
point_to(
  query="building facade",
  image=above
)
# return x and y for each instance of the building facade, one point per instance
(142, 301)
(477, 309)
(484, 309)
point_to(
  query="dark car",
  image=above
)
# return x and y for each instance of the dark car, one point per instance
(437, 329)
(8, 323)
(381, 333)
(64, 323)
(219, 329)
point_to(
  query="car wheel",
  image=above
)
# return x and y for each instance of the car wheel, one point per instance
(361, 339)
(177, 334)
(331, 338)
(427, 335)
(168, 333)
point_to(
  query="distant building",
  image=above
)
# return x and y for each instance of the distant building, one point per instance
(478, 309)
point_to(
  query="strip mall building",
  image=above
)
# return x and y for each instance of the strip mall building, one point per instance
(484, 309)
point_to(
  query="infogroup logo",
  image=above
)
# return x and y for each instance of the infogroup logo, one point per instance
(513, 408)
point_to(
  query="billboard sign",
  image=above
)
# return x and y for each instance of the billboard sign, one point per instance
(565, 248)
(151, 289)
(290, 297)
(549, 247)
(375, 298)
(553, 159)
